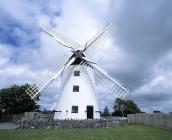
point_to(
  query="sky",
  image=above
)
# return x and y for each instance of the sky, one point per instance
(139, 53)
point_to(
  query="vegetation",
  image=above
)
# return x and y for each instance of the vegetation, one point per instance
(130, 132)
(16, 100)
(106, 112)
(157, 111)
(124, 107)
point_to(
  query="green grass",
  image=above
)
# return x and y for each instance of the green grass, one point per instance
(129, 132)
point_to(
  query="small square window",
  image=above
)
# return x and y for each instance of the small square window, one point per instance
(75, 88)
(76, 73)
(74, 109)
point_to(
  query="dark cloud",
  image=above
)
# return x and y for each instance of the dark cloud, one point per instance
(144, 38)
(145, 35)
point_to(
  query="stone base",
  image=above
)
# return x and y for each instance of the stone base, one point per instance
(99, 123)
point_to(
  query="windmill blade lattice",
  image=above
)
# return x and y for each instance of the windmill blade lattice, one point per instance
(99, 39)
(45, 78)
(107, 81)
(61, 38)
(110, 83)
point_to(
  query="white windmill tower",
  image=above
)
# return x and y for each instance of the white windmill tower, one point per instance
(78, 99)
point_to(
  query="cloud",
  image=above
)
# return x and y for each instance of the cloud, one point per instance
(139, 53)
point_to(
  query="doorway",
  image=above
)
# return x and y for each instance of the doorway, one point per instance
(90, 110)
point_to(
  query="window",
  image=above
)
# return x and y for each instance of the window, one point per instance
(75, 88)
(76, 73)
(74, 109)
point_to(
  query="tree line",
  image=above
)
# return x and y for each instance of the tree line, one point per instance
(15, 100)
(122, 108)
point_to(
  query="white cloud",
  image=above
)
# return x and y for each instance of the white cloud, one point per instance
(157, 91)
(162, 76)
(78, 20)
(20, 11)
(5, 54)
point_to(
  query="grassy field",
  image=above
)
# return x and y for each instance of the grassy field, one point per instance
(130, 132)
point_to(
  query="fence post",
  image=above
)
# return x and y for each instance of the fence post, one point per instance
(157, 119)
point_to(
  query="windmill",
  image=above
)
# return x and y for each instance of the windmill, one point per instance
(78, 99)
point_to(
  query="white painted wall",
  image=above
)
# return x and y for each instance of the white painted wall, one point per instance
(86, 95)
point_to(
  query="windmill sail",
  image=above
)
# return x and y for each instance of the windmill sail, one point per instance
(44, 80)
(107, 81)
(61, 39)
(98, 40)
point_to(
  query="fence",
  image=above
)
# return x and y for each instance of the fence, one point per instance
(161, 120)
(6, 117)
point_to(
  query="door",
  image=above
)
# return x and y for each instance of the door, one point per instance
(90, 112)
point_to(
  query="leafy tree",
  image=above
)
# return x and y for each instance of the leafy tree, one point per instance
(157, 111)
(118, 107)
(131, 108)
(124, 107)
(16, 100)
(106, 112)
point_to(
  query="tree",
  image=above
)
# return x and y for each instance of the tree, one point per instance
(124, 107)
(118, 107)
(157, 111)
(106, 112)
(131, 108)
(16, 100)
